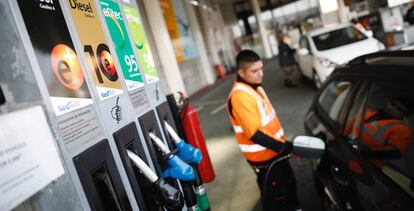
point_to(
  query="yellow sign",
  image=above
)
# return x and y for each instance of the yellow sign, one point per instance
(100, 62)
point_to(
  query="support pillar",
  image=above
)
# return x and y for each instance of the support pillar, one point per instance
(262, 29)
(208, 29)
(329, 11)
(164, 47)
(343, 12)
(230, 48)
(207, 68)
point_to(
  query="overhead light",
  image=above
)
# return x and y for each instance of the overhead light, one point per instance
(208, 7)
(195, 2)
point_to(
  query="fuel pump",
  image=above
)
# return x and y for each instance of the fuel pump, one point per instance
(178, 169)
(192, 156)
(165, 194)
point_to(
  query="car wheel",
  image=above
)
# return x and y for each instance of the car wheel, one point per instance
(316, 80)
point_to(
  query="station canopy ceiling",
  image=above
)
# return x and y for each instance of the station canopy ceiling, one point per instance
(243, 8)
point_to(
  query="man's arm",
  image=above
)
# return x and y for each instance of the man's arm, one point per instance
(283, 148)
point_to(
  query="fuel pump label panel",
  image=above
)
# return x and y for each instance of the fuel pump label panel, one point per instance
(96, 51)
(78, 128)
(28, 157)
(141, 44)
(56, 55)
(129, 63)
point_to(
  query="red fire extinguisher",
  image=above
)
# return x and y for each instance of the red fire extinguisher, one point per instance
(194, 136)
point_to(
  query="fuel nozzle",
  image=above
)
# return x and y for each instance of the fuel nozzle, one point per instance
(177, 169)
(164, 194)
(167, 195)
(186, 151)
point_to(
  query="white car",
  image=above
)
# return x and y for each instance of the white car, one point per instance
(321, 50)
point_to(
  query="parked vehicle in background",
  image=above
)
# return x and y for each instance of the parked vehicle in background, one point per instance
(365, 115)
(321, 50)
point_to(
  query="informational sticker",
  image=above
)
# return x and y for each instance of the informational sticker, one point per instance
(141, 44)
(120, 38)
(28, 157)
(78, 128)
(56, 55)
(99, 58)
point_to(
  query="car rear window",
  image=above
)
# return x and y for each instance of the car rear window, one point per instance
(337, 38)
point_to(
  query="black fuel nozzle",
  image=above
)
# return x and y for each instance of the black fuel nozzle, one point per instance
(163, 193)
(167, 196)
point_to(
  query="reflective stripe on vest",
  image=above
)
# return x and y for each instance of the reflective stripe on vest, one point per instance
(256, 147)
(357, 123)
(262, 108)
(237, 129)
(280, 134)
(379, 130)
(251, 148)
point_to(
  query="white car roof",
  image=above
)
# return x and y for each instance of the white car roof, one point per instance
(327, 28)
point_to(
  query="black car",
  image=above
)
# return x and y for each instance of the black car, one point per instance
(369, 159)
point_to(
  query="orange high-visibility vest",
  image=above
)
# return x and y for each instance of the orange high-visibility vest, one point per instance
(252, 111)
(381, 132)
(387, 131)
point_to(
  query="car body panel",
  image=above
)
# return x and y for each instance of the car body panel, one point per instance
(351, 180)
(306, 65)
(345, 53)
(309, 64)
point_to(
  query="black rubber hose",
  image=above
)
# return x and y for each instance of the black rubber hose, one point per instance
(267, 177)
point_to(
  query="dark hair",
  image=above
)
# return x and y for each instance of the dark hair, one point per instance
(246, 57)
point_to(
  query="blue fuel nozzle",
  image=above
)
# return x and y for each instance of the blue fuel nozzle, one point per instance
(178, 169)
(188, 153)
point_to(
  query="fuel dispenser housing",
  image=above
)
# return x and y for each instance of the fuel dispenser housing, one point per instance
(100, 178)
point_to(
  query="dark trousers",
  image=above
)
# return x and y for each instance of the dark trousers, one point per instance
(278, 192)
